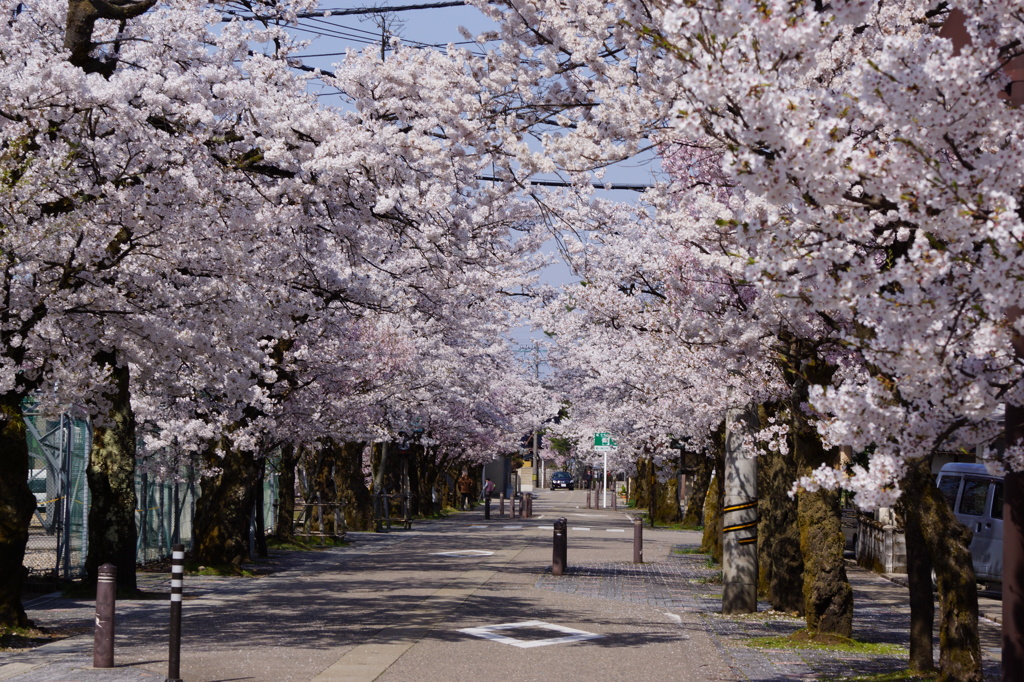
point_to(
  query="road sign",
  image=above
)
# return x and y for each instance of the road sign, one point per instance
(603, 442)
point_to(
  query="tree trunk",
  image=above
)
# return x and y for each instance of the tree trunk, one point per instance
(224, 507)
(711, 542)
(353, 493)
(111, 475)
(828, 597)
(780, 562)
(919, 570)
(694, 515)
(16, 506)
(948, 541)
(284, 528)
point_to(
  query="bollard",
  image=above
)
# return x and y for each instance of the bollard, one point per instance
(512, 505)
(529, 506)
(103, 637)
(560, 549)
(487, 507)
(615, 500)
(177, 575)
(501, 505)
(588, 498)
(638, 541)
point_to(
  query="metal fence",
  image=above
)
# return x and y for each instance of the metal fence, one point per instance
(58, 536)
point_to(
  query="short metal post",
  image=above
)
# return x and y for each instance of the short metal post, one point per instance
(615, 500)
(588, 498)
(487, 507)
(501, 505)
(103, 637)
(177, 575)
(529, 506)
(512, 505)
(559, 554)
(638, 541)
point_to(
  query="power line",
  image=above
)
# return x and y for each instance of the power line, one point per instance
(327, 13)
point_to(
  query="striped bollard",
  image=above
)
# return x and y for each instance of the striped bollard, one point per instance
(103, 636)
(177, 575)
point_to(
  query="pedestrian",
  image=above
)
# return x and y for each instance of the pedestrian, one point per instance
(488, 488)
(465, 486)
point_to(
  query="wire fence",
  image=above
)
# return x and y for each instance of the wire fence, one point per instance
(59, 532)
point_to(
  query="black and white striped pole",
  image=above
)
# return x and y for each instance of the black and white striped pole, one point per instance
(177, 575)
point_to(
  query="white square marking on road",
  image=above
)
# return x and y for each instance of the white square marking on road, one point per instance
(492, 632)
(577, 528)
(481, 526)
(512, 527)
(616, 530)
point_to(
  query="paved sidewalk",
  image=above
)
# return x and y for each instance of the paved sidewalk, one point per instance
(424, 605)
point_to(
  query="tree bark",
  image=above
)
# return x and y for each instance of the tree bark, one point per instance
(948, 541)
(711, 542)
(919, 570)
(828, 597)
(16, 506)
(284, 528)
(224, 507)
(111, 475)
(780, 561)
(694, 515)
(353, 493)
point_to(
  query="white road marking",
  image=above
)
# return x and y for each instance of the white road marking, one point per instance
(491, 632)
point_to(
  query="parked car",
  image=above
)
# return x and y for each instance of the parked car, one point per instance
(976, 498)
(562, 479)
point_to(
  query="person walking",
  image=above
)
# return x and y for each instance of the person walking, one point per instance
(488, 488)
(465, 486)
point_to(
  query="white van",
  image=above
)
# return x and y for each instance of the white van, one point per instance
(976, 498)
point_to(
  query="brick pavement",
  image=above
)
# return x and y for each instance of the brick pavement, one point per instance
(686, 583)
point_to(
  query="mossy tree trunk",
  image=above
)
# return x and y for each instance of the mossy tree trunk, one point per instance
(948, 541)
(111, 476)
(224, 507)
(780, 562)
(711, 542)
(694, 515)
(284, 528)
(659, 497)
(354, 496)
(919, 573)
(828, 597)
(16, 506)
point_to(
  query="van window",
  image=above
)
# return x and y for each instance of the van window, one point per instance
(997, 501)
(948, 486)
(972, 501)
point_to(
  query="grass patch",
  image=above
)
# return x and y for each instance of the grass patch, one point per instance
(803, 639)
(715, 579)
(710, 563)
(688, 550)
(680, 526)
(20, 639)
(226, 570)
(897, 676)
(308, 544)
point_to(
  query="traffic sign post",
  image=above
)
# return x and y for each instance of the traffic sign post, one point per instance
(603, 443)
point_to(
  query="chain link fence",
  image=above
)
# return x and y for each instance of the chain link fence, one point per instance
(59, 532)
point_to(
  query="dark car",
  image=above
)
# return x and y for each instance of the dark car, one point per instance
(562, 479)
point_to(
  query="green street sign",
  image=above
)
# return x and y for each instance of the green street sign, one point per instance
(603, 442)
